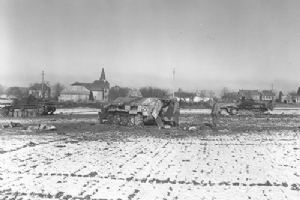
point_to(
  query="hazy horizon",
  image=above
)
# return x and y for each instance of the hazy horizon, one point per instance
(238, 44)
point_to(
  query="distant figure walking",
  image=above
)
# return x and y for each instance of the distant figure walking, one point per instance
(214, 113)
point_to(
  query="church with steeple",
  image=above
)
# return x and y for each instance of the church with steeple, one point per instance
(96, 91)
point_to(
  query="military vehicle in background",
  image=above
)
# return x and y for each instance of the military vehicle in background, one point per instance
(138, 111)
(244, 107)
(26, 107)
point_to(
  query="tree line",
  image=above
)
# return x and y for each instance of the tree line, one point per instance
(146, 92)
(22, 92)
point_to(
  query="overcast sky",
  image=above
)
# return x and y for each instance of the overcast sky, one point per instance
(247, 44)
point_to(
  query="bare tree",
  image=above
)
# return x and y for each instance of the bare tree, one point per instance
(17, 92)
(211, 94)
(57, 89)
(116, 92)
(2, 89)
(292, 93)
(224, 91)
(153, 92)
(203, 93)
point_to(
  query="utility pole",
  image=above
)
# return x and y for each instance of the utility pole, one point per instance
(43, 80)
(173, 82)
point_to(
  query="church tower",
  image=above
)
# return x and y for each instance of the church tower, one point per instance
(102, 77)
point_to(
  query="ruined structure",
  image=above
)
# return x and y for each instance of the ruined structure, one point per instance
(138, 111)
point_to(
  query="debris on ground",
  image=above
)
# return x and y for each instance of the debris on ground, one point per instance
(32, 144)
(209, 125)
(5, 125)
(12, 125)
(192, 128)
(41, 127)
(60, 145)
(167, 126)
(199, 127)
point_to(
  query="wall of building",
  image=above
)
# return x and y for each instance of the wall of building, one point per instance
(75, 94)
(256, 97)
(98, 95)
(267, 98)
(296, 99)
(38, 93)
(74, 97)
(35, 93)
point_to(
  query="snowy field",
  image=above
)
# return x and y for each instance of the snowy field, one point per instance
(276, 111)
(92, 111)
(264, 165)
(80, 110)
(286, 111)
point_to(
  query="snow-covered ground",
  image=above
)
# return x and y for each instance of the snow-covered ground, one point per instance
(285, 111)
(289, 111)
(79, 110)
(195, 111)
(262, 165)
(93, 111)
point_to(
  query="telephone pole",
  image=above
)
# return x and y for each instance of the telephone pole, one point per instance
(173, 82)
(43, 80)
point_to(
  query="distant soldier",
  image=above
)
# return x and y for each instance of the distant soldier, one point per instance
(215, 111)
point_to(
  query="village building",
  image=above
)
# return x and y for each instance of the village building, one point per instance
(249, 94)
(267, 95)
(96, 91)
(15, 92)
(296, 98)
(287, 99)
(290, 98)
(198, 99)
(230, 97)
(75, 94)
(39, 90)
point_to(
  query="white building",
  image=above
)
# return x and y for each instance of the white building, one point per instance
(96, 91)
(267, 95)
(75, 94)
(198, 99)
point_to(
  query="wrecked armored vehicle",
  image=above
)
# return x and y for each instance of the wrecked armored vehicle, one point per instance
(137, 111)
(244, 106)
(26, 107)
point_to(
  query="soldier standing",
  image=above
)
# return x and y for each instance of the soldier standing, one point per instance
(214, 112)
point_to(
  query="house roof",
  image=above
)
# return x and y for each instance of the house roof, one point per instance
(38, 86)
(267, 93)
(97, 85)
